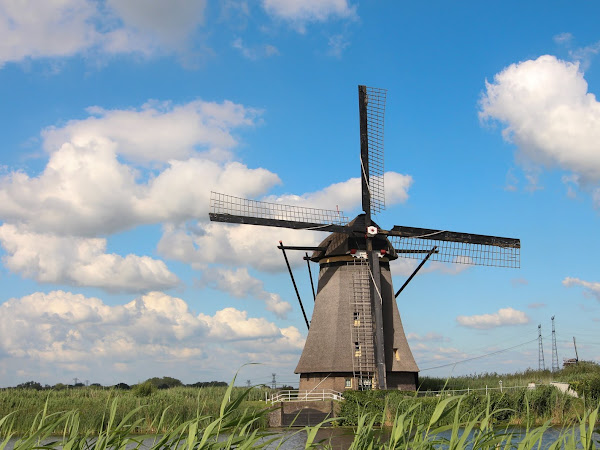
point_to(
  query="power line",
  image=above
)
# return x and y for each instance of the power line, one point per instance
(485, 347)
(480, 356)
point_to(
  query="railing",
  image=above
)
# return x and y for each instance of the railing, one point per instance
(470, 390)
(303, 396)
(564, 387)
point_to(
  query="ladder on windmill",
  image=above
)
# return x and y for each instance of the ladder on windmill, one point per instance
(363, 349)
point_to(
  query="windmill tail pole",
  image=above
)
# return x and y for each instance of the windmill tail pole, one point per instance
(294, 283)
(312, 285)
(575, 345)
(431, 252)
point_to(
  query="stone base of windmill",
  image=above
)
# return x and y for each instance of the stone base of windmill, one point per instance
(340, 382)
(302, 413)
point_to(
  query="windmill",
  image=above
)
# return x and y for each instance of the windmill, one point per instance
(356, 339)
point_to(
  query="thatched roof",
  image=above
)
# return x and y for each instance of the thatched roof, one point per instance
(329, 346)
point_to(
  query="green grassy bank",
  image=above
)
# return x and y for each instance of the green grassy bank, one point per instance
(513, 407)
(93, 405)
(583, 377)
(450, 424)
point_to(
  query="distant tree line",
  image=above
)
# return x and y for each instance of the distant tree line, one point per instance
(155, 382)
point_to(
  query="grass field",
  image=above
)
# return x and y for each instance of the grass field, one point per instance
(233, 417)
(92, 405)
(583, 377)
(450, 424)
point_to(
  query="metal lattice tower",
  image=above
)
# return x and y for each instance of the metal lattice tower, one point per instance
(363, 351)
(541, 363)
(273, 382)
(555, 366)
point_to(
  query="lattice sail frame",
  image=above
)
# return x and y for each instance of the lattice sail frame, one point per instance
(242, 207)
(375, 126)
(457, 252)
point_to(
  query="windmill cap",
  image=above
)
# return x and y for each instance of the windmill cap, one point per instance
(342, 244)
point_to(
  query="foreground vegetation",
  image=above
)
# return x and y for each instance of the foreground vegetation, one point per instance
(179, 404)
(163, 413)
(515, 407)
(583, 377)
(450, 425)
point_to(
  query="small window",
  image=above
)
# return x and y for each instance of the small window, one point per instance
(396, 354)
(357, 351)
(356, 318)
(348, 383)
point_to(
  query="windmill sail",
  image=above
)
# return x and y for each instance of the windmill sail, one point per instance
(371, 103)
(231, 209)
(453, 247)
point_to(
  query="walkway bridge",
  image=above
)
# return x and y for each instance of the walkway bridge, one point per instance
(303, 408)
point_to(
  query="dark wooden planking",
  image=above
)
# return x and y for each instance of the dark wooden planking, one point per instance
(295, 247)
(364, 152)
(451, 236)
(230, 218)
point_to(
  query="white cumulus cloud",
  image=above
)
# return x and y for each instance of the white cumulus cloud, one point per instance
(62, 28)
(53, 28)
(591, 287)
(158, 131)
(547, 111)
(256, 246)
(239, 283)
(57, 334)
(157, 23)
(80, 262)
(86, 190)
(300, 12)
(503, 317)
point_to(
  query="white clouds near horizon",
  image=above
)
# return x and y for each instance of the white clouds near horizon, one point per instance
(75, 334)
(503, 317)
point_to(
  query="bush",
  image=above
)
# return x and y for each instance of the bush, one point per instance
(540, 400)
(144, 389)
(588, 387)
(30, 385)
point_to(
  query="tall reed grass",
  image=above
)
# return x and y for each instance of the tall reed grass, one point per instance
(182, 403)
(514, 407)
(451, 425)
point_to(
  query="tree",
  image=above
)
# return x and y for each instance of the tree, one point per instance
(164, 382)
(30, 385)
(202, 384)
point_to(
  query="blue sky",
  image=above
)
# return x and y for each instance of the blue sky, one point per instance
(119, 118)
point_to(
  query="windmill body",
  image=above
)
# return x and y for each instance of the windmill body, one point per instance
(356, 339)
(339, 350)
